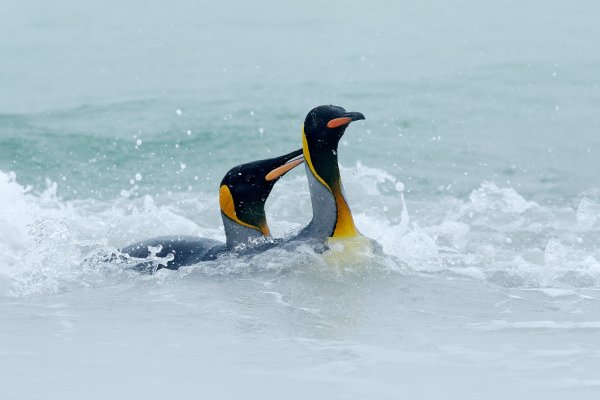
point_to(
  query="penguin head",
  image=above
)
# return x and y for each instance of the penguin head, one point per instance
(323, 128)
(245, 188)
(327, 124)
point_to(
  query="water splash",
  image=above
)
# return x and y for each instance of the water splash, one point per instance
(494, 234)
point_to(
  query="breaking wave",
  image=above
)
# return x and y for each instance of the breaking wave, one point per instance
(50, 245)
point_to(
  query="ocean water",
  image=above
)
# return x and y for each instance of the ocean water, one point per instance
(477, 170)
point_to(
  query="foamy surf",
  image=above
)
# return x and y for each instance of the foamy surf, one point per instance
(494, 234)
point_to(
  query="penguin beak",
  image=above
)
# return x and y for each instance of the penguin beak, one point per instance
(345, 120)
(282, 169)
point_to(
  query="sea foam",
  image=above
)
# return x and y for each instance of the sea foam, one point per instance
(494, 234)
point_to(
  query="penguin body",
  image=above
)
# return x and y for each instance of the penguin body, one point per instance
(245, 188)
(242, 196)
(323, 128)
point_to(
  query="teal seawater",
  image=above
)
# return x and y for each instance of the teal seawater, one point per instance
(476, 169)
(454, 93)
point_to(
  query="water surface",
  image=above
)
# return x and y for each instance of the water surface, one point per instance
(118, 120)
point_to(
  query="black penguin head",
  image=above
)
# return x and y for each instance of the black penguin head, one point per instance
(324, 126)
(245, 188)
(327, 124)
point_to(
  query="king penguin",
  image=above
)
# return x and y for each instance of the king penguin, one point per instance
(323, 128)
(242, 196)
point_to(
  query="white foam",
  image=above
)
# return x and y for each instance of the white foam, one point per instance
(494, 234)
(501, 324)
(588, 214)
(491, 198)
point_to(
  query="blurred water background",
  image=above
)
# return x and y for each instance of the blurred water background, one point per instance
(119, 119)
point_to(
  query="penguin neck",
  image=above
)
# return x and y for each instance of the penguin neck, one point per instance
(238, 235)
(331, 213)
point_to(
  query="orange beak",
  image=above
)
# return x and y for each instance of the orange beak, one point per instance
(337, 122)
(279, 171)
(345, 120)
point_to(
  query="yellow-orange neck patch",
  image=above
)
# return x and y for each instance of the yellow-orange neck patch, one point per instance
(344, 226)
(228, 208)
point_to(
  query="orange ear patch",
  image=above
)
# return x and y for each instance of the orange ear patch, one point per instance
(228, 208)
(226, 203)
(336, 122)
